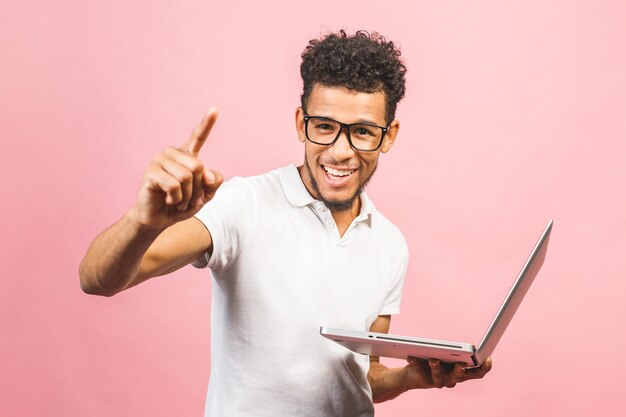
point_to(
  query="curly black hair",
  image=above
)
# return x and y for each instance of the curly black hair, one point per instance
(362, 62)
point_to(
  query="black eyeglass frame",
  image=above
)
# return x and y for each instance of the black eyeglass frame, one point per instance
(343, 126)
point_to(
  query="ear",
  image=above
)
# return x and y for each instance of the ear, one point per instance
(390, 136)
(300, 124)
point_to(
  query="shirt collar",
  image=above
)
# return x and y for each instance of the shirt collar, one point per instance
(367, 207)
(299, 196)
(293, 187)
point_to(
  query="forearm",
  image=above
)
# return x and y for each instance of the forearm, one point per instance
(386, 383)
(113, 259)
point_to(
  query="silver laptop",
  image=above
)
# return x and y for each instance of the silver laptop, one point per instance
(402, 347)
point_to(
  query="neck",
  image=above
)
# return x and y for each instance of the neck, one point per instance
(344, 218)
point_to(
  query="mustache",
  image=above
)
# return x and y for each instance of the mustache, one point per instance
(338, 165)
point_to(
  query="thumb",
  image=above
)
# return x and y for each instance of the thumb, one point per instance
(211, 181)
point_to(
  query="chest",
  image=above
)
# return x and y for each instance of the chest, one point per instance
(302, 268)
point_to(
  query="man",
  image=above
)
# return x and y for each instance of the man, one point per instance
(290, 250)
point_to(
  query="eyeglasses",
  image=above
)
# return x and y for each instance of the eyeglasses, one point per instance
(363, 137)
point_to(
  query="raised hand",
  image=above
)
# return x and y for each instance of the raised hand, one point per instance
(176, 184)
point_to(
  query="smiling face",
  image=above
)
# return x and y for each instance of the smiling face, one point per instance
(336, 174)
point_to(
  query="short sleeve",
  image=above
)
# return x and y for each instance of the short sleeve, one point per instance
(394, 296)
(229, 217)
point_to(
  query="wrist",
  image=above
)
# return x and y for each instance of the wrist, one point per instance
(405, 384)
(388, 383)
(134, 220)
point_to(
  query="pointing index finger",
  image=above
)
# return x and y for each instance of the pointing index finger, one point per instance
(200, 133)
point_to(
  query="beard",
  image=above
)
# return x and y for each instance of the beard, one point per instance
(336, 206)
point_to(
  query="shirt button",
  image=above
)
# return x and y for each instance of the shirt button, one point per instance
(329, 224)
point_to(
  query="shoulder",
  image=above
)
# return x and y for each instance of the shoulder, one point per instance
(263, 182)
(387, 230)
(249, 187)
(279, 187)
(242, 194)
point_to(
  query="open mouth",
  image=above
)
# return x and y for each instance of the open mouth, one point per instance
(337, 177)
(338, 172)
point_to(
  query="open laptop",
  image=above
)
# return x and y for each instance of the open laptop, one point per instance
(402, 347)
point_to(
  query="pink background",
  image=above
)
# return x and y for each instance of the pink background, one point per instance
(515, 113)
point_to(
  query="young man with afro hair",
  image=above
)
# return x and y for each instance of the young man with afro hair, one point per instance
(289, 250)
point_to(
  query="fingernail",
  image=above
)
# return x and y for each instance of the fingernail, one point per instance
(199, 202)
(433, 363)
(210, 176)
(181, 207)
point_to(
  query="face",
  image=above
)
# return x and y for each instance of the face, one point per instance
(336, 174)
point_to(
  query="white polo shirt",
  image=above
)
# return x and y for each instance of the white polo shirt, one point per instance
(280, 272)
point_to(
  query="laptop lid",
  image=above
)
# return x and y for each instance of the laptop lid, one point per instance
(514, 297)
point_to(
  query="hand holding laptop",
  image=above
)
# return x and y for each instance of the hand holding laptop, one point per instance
(432, 373)
(388, 383)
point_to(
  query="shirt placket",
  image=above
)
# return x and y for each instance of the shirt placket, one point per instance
(325, 216)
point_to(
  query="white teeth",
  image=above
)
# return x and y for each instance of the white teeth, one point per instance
(338, 172)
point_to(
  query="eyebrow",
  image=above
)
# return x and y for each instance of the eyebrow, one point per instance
(366, 121)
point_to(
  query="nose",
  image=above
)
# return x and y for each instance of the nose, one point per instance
(341, 149)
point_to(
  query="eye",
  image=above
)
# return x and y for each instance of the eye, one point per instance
(323, 126)
(363, 131)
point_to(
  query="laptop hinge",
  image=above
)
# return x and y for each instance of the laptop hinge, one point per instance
(475, 360)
